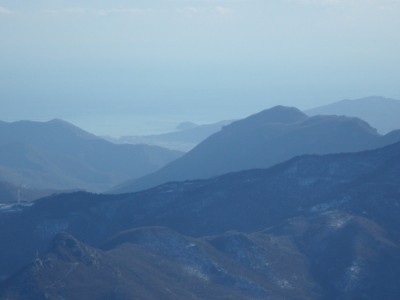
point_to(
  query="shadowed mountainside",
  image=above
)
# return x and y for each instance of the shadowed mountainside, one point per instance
(314, 227)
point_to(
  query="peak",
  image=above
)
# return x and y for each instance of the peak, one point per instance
(64, 241)
(344, 121)
(57, 121)
(275, 115)
(68, 248)
(368, 100)
(38, 123)
(186, 125)
(67, 126)
(279, 114)
(285, 110)
(373, 98)
(378, 100)
(60, 122)
(282, 108)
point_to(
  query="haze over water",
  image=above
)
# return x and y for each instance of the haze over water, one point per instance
(132, 67)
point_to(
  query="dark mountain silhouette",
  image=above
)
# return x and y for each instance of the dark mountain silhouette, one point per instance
(59, 155)
(314, 227)
(262, 140)
(187, 136)
(382, 113)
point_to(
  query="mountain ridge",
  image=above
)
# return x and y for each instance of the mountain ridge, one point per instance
(382, 113)
(59, 155)
(262, 140)
(245, 201)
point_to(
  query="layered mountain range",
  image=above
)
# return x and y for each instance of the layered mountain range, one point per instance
(265, 139)
(306, 208)
(382, 113)
(314, 227)
(59, 155)
(186, 136)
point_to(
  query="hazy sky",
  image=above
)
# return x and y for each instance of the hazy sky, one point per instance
(120, 67)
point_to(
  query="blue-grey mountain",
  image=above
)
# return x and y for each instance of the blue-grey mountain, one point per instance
(314, 227)
(59, 155)
(264, 139)
(382, 113)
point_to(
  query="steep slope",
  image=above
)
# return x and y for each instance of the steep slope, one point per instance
(262, 140)
(187, 136)
(58, 155)
(382, 113)
(361, 184)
